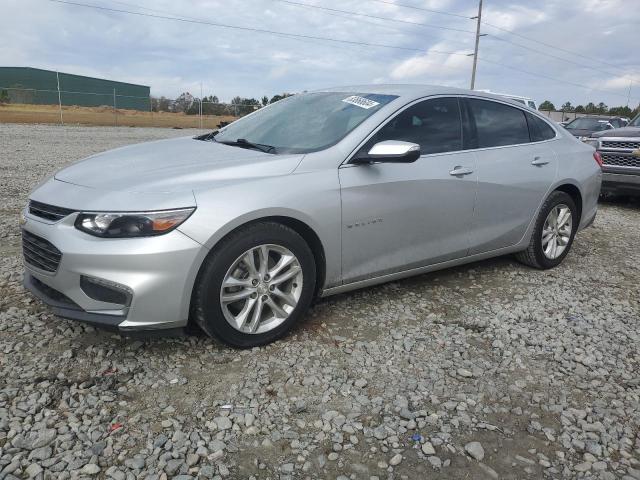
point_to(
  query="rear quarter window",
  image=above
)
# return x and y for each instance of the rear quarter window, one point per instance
(539, 130)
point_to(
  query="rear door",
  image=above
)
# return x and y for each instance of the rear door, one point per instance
(516, 167)
(398, 216)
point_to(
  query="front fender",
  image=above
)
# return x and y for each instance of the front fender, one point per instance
(312, 198)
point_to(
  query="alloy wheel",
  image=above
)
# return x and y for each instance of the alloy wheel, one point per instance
(261, 288)
(556, 231)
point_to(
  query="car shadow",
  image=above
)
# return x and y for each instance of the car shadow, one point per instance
(626, 202)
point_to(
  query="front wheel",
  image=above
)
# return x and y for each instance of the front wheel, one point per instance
(255, 285)
(553, 234)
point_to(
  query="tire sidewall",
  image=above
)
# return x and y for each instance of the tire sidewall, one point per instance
(554, 199)
(207, 300)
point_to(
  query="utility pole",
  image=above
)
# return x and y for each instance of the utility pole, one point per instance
(475, 53)
(59, 97)
(629, 92)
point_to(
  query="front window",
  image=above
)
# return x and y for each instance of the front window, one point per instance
(635, 122)
(584, 123)
(434, 124)
(306, 122)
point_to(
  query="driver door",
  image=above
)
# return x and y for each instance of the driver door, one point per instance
(398, 216)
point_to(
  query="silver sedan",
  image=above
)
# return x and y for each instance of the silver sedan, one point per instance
(324, 192)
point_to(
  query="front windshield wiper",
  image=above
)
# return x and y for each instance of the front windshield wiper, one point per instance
(207, 136)
(244, 143)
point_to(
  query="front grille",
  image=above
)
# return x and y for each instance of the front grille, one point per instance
(631, 145)
(618, 160)
(40, 253)
(50, 212)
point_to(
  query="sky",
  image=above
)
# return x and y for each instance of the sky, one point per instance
(589, 51)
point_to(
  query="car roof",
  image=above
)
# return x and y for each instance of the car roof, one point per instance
(410, 92)
(599, 117)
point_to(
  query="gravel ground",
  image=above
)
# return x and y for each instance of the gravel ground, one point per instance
(491, 370)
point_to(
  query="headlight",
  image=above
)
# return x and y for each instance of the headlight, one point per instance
(130, 224)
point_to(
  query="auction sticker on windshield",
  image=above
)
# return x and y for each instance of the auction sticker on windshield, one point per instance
(360, 102)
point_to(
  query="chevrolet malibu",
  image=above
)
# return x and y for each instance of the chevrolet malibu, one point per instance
(239, 230)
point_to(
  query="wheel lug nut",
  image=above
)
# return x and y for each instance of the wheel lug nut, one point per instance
(265, 297)
(254, 282)
(272, 287)
(267, 277)
(254, 295)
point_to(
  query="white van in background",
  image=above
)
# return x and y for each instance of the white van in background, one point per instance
(524, 100)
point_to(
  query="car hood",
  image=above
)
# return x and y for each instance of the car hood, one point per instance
(174, 165)
(580, 132)
(619, 132)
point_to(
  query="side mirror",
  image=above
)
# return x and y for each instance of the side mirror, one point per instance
(390, 151)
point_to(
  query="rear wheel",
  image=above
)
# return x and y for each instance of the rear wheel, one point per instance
(553, 234)
(255, 285)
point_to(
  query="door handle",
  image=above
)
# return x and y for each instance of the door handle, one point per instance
(538, 162)
(459, 171)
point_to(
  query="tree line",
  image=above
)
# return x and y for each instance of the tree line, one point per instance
(591, 108)
(211, 105)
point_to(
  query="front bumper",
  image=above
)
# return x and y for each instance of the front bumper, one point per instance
(157, 274)
(619, 183)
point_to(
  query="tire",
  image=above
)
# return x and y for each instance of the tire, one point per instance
(215, 314)
(534, 255)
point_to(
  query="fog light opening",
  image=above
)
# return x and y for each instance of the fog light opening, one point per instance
(106, 291)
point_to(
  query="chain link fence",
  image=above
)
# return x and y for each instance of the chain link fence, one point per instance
(28, 105)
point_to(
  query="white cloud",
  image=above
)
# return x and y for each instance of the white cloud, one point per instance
(513, 17)
(623, 81)
(432, 64)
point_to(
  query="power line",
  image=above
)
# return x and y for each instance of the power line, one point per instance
(511, 32)
(440, 12)
(327, 39)
(349, 16)
(492, 37)
(502, 29)
(252, 29)
(540, 52)
(535, 74)
(140, 7)
(429, 25)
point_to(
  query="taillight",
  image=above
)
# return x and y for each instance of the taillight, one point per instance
(598, 158)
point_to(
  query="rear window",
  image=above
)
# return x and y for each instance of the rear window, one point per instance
(497, 124)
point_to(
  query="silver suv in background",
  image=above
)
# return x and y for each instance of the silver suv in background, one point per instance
(317, 194)
(619, 150)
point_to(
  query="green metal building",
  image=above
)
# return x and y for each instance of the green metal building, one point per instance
(36, 86)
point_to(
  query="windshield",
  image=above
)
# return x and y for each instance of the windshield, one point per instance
(635, 122)
(594, 124)
(306, 122)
